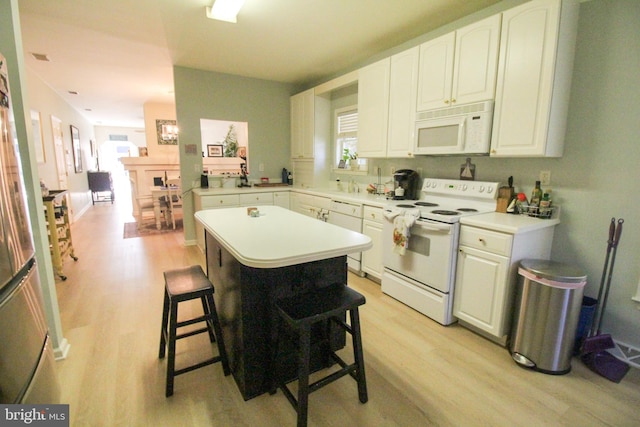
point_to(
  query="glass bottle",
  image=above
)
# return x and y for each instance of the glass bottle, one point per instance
(536, 196)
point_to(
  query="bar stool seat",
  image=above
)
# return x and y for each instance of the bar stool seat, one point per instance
(181, 285)
(300, 313)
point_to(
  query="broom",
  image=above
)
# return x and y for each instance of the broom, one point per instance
(595, 341)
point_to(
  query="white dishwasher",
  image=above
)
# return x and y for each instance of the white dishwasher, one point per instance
(348, 215)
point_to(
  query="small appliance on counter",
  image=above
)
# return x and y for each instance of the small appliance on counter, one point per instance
(406, 183)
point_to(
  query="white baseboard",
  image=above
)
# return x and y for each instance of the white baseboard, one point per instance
(627, 353)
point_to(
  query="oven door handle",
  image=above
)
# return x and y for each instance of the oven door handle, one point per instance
(432, 226)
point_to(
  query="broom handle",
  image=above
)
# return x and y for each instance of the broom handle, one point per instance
(616, 240)
(597, 319)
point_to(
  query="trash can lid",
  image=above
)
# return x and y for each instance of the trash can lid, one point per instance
(555, 271)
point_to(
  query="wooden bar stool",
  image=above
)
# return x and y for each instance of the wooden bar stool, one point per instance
(301, 313)
(181, 285)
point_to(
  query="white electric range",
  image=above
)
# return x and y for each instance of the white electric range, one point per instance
(423, 276)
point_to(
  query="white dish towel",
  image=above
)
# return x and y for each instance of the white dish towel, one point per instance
(402, 219)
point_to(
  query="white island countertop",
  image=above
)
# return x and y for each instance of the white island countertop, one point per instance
(279, 237)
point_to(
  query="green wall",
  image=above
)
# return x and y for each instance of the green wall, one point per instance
(209, 95)
(594, 180)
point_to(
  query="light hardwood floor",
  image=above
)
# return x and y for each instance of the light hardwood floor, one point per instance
(418, 372)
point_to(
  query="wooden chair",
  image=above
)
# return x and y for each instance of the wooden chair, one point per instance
(173, 201)
(143, 203)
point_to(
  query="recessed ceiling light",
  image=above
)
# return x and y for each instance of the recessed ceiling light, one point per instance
(40, 56)
(72, 92)
(88, 109)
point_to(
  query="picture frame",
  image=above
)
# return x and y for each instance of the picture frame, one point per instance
(167, 132)
(75, 147)
(215, 150)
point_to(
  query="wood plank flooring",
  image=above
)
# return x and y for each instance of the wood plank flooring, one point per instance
(419, 373)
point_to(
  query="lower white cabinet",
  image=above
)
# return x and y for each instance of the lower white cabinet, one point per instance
(204, 202)
(256, 199)
(281, 198)
(314, 206)
(372, 227)
(486, 276)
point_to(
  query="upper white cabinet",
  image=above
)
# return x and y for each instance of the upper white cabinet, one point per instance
(302, 125)
(403, 86)
(534, 78)
(386, 106)
(459, 67)
(373, 109)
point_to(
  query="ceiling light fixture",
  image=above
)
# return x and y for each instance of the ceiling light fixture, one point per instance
(225, 10)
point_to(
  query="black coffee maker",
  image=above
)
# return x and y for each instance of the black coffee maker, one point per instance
(406, 184)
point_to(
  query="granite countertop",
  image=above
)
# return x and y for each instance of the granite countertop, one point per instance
(279, 237)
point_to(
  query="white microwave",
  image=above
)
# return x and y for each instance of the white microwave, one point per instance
(464, 129)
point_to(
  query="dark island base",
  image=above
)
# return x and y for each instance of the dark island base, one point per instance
(245, 299)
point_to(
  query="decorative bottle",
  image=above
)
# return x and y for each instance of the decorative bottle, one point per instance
(534, 201)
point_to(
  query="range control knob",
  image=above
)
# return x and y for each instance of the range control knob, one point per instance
(481, 189)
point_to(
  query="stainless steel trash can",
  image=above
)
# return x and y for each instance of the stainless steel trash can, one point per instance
(547, 309)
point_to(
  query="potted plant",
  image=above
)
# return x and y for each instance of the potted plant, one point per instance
(350, 158)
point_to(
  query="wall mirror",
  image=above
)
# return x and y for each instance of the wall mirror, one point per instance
(225, 145)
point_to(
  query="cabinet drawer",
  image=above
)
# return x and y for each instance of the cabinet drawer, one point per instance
(222, 201)
(256, 199)
(373, 214)
(345, 208)
(486, 240)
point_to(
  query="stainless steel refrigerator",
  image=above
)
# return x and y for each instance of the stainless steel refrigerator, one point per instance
(27, 371)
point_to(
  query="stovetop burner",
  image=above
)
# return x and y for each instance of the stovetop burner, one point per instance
(426, 204)
(444, 212)
(402, 205)
(467, 210)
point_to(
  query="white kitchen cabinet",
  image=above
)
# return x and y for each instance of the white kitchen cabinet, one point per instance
(281, 198)
(459, 67)
(203, 202)
(307, 204)
(256, 199)
(372, 227)
(486, 276)
(302, 125)
(403, 86)
(373, 109)
(534, 79)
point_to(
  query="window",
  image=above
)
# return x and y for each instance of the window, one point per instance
(346, 126)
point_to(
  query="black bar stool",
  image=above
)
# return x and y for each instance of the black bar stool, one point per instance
(186, 284)
(300, 313)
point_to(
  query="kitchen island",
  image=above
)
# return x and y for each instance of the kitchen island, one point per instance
(255, 260)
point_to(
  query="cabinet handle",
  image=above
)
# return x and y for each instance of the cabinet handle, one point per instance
(453, 101)
(446, 101)
(481, 240)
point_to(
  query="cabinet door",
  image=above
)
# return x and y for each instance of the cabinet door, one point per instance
(281, 198)
(403, 86)
(436, 70)
(372, 259)
(302, 124)
(476, 61)
(373, 109)
(480, 289)
(525, 79)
